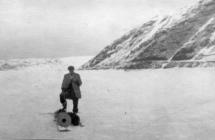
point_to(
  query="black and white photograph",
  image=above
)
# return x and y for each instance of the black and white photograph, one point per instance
(107, 69)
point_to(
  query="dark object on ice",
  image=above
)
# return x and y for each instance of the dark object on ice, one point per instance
(63, 119)
(75, 118)
(57, 112)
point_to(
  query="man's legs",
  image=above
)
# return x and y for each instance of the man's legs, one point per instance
(63, 97)
(75, 105)
(63, 100)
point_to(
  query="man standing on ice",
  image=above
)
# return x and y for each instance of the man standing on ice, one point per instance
(71, 89)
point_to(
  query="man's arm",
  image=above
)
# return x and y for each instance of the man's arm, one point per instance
(79, 82)
(64, 84)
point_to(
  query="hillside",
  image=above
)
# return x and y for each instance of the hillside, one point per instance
(184, 40)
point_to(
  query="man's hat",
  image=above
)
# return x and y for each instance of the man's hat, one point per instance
(71, 68)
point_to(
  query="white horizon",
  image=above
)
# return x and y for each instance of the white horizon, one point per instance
(62, 28)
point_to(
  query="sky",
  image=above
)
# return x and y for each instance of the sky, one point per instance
(62, 28)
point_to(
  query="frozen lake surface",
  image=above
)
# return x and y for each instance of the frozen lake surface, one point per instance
(170, 104)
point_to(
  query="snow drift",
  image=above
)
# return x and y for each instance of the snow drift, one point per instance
(184, 40)
(28, 62)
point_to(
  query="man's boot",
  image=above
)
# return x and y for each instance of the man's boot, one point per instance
(75, 110)
(64, 106)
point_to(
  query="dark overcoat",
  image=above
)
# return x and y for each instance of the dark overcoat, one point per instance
(75, 79)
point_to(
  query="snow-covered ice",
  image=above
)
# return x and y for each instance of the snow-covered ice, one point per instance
(162, 104)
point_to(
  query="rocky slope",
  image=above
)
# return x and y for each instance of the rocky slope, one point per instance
(185, 40)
